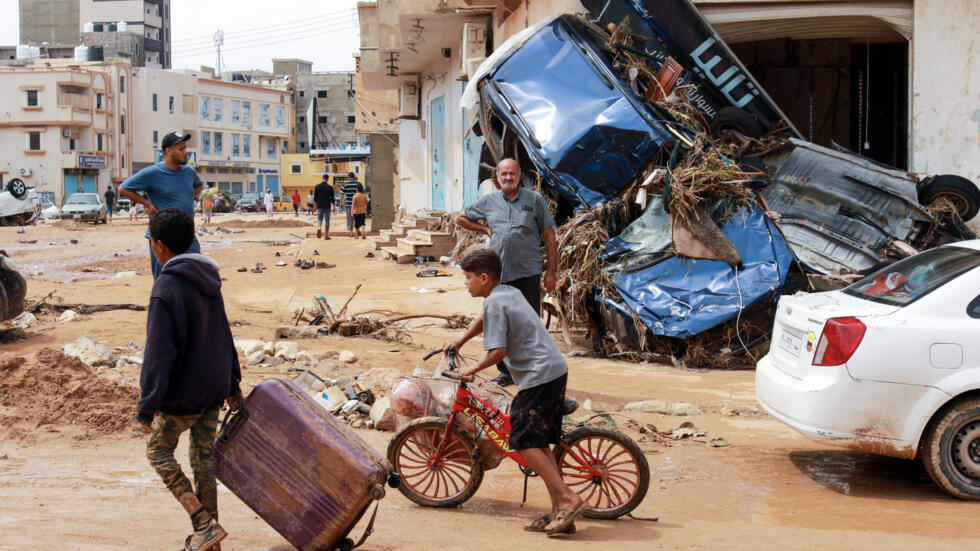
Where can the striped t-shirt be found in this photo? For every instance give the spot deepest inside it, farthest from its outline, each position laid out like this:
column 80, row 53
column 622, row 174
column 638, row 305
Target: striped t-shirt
column 349, row 188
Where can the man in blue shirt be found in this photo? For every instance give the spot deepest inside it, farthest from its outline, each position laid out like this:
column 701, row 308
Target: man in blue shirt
column 167, row 184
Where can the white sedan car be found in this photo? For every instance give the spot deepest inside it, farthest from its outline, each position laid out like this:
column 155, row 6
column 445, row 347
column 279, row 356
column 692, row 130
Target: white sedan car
column 889, row 365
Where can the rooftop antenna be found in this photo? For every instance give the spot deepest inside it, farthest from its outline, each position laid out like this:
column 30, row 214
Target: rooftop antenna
column 219, row 39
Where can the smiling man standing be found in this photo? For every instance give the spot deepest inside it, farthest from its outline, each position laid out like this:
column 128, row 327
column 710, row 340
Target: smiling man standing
column 167, row 184
column 518, row 222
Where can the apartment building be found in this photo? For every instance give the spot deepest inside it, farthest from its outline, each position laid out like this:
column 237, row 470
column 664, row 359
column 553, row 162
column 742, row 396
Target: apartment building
column 66, row 127
column 238, row 131
column 332, row 92
column 148, row 21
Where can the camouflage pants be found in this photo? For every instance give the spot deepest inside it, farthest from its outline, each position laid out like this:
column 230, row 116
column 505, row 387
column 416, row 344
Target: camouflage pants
column 163, row 442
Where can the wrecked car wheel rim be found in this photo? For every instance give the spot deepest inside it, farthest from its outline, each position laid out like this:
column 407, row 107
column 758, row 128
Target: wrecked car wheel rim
column 957, row 201
column 965, row 450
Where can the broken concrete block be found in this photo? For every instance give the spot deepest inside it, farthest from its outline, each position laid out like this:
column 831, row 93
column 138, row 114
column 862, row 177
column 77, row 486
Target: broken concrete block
column 588, row 404
column 347, row 357
column 305, row 357
column 68, row 316
column 286, row 350
column 248, row 346
column 24, row 320
column 121, row 363
column 256, row 358
column 382, row 416
column 378, row 379
column 326, row 354
column 666, row 408
column 124, row 275
column 90, row 351
column 271, row 361
column 287, row 332
column 269, row 348
column 335, row 398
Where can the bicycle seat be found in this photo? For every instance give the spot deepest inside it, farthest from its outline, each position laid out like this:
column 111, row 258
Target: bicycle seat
column 569, row 406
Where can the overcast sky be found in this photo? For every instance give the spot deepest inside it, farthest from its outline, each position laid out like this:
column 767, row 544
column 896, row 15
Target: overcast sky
column 321, row 31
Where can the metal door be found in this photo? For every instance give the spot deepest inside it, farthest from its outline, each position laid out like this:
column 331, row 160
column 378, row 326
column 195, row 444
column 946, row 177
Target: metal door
column 88, row 183
column 472, row 145
column 437, row 121
column 272, row 182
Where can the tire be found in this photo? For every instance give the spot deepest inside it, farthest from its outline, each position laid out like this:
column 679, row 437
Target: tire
column 731, row 118
column 625, row 472
column 411, row 451
column 951, row 449
column 957, row 190
column 17, row 188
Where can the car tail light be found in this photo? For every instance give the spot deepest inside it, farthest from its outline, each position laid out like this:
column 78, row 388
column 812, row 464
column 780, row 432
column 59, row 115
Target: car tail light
column 839, row 340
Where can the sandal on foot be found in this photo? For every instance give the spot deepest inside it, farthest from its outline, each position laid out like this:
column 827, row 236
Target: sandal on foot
column 564, row 519
column 539, row 524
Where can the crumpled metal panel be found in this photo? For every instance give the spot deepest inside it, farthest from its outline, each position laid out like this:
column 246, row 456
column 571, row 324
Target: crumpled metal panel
column 840, row 212
column 680, row 297
column 585, row 131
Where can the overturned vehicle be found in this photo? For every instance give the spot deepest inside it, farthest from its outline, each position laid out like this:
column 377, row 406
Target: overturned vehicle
column 688, row 201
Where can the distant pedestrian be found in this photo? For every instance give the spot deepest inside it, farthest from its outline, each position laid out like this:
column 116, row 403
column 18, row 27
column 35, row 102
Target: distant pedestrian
column 268, row 202
column 359, row 209
column 207, row 203
column 169, row 183
column 190, row 368
column 348, row 189
column 295, row 198
column 323, row 197
column 110, row 201
column 310, row 204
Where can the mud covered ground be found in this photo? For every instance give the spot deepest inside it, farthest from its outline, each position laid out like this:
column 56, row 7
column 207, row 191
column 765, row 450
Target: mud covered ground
column 73, row 473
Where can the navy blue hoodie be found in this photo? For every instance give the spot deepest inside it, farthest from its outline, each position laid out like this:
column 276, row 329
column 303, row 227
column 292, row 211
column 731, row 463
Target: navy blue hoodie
column 189, row 364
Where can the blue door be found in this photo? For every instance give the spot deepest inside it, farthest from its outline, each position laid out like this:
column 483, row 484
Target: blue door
column 472, row 145
column 88, row 183
column 259, row 183
column 78, row 183
column 437, row 122
column 272, row 182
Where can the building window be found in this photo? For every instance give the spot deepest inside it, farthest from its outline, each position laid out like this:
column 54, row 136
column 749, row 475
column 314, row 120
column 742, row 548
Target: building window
column 122, row 124
column 205, row 143
column 302, row 119
column 302, row 145
column 71, row 144
column 98, row 101
column 235, row 105
column 217, row 143
column 264, row 114
column 34, row 141
column 302, row 93
column 246, row 146
column 217, row 109
column 98, row 142
column 122, row 160
column 32, row 98
column 280, row 117
column 270, row 149
column 155, row 140
column 154, row 102
column 205, row 108
column 357, row 168
column 236, row 149
column 350, row 119
column 322, row 119
column 122, row 84
column 171, row 105
column 247, row 113
column 322, row 94
column 295, row 168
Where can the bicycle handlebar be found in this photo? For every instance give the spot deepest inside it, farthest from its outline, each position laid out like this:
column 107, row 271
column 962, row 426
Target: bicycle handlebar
column 452, row 375
column 430, row 354
column 452, row 359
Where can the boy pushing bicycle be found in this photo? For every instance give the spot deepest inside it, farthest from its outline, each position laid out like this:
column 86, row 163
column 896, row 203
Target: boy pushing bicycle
column 511, row 329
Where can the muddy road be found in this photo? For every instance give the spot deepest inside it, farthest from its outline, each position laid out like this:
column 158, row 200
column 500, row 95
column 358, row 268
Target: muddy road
column 87, row 485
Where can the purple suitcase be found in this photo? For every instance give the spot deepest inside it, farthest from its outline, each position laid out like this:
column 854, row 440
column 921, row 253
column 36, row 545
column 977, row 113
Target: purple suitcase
column 298, row 467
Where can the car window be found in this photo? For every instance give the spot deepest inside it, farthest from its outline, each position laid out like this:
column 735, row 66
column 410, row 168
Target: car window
column 973, row 310
column 83, row 200
column 910, row 279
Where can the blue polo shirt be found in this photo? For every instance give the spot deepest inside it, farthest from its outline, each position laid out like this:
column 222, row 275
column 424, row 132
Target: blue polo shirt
column 166, row 188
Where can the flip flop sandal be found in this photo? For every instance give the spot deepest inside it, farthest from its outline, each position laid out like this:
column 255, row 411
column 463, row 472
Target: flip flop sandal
column 564, row 519
column 539, row 524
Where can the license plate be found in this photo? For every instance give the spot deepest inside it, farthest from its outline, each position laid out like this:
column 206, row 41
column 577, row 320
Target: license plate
column 790, row 343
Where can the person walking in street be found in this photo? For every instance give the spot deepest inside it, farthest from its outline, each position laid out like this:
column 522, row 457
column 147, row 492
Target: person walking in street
column 358, row 208
column 268, row 202
column 207, row 203
column 518, row 222
column 110, row 201
column 348, row 189
column 169, row 183
column 323, row 197
column 295, row 198
column 310, row 206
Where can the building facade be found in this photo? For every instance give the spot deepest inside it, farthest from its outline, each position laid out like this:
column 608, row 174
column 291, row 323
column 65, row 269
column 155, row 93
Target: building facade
column 148, row 21
column 238, row 131
column 860, row 74
column 332, row 92
column 67, row 127
column 51, row 21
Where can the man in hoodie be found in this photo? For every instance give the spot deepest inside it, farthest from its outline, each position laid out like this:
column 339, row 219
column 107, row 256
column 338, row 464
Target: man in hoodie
column 190, row 368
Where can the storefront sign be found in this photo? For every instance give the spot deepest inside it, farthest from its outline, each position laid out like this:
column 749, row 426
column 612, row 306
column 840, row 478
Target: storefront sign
column 91, row 161
column 268, row 171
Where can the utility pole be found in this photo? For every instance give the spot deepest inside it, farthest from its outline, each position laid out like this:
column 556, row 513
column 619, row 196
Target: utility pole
column 219, row 39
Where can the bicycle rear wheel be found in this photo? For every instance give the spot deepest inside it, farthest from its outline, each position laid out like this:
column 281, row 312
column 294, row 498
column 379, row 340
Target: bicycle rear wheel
column 446, row 480
column 622, row 475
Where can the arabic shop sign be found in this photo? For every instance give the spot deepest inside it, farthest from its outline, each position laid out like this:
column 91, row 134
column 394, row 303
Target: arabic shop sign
column 91, row 161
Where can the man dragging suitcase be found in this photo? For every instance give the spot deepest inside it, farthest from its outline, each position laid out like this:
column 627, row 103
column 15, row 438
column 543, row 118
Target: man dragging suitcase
column 190, row 368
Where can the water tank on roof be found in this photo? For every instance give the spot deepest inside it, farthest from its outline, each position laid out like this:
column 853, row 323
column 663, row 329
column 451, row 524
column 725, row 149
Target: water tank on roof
column 110, row 27
column 95, row 53
column 35, row 52
column 23, row 51
column 88, row 27
column 97, row 27
column 122, row 26
column 81, row 53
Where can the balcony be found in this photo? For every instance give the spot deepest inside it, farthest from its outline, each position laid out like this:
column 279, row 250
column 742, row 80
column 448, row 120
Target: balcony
column 152, row 44
column 72, row 116
column 152, row 20
column 77, row 101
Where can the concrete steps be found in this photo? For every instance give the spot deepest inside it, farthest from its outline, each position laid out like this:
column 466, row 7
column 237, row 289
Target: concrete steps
column 409, row 238
column 427, row 243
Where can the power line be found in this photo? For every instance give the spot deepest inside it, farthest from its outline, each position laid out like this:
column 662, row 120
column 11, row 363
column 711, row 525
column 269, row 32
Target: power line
column 253, row 30
column 178, row 54
column 244, row 41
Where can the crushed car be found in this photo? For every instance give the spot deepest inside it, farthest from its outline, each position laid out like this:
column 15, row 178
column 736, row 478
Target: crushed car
column 18, row 204
column 684, row 218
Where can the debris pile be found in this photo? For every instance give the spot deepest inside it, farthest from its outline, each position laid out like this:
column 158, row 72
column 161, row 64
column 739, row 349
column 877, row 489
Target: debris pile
column 361, row 402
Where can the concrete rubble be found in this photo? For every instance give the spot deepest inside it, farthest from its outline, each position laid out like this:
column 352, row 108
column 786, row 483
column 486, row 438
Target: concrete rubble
column 92, row 352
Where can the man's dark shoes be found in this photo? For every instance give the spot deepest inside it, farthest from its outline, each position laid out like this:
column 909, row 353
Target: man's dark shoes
column 502, row 380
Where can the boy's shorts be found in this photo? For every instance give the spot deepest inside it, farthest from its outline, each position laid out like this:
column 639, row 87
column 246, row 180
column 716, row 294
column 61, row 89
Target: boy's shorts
column 535, row 415
column 359, row 220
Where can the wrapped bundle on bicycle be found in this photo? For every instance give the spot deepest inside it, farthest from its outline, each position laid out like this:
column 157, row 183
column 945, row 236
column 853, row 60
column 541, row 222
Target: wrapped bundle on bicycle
column 298, row 467
column 449, row 432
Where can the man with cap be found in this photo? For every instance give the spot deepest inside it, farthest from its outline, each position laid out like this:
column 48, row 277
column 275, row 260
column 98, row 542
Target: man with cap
column 169, row 183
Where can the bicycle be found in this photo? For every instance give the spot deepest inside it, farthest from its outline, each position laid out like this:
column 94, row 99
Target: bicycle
column 439, row 463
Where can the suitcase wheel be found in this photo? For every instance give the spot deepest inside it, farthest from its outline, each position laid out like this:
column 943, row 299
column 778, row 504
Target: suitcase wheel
column 394, row 480
column 344, row 545
column 377, row 493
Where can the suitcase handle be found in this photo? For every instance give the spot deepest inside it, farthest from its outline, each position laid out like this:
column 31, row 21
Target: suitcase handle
column 230, row 428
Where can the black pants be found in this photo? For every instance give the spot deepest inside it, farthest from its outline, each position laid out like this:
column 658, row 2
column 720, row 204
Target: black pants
column 530, row 287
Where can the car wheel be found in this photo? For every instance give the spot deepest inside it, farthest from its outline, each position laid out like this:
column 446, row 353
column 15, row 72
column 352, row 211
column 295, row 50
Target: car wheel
column 731, row 118
column 951, row 449
column 17, row 188
column 957, row 191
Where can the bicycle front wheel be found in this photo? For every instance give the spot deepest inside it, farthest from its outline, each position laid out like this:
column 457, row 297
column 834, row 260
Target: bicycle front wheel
column 606, row 468
column 432, row 479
